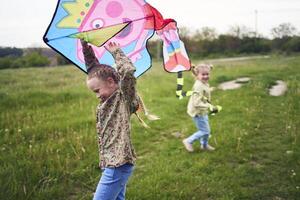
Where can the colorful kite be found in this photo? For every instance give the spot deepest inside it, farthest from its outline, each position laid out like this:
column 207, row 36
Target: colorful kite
column 131, row 23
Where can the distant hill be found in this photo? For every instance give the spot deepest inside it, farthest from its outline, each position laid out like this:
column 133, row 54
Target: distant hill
column 47, row 52
column 10, row 51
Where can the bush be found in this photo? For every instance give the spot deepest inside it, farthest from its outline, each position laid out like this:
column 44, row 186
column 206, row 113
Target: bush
column 33, row 59
column 5, row 62
column 62, row 60
column 36, row 60
column 293, row 45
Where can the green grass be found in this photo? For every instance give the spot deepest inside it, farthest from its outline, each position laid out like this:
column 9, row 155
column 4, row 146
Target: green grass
column 48, row 146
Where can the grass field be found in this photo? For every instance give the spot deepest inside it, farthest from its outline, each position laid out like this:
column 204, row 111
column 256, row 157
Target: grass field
column 48, row 147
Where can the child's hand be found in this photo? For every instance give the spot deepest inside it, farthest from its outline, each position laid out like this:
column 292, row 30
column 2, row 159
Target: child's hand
column 84, row 43
column 215, row 109
column 112, row 46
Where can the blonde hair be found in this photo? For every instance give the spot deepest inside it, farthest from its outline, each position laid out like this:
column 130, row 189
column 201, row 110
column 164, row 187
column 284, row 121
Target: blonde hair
column 198, row 68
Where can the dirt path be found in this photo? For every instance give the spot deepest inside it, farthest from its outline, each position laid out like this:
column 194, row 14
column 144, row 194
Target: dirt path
column 235, row 59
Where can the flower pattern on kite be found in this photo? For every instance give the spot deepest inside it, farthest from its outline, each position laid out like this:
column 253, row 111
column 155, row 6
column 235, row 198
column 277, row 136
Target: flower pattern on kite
column 131, row 23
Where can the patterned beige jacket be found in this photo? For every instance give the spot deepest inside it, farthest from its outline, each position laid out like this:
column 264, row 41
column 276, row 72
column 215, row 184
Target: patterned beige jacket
column 113, row 117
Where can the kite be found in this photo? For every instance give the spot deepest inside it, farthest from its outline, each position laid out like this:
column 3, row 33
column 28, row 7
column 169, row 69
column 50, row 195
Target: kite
column 131, row 23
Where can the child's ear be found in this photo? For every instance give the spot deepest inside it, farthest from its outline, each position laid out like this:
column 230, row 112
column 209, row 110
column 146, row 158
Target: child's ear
column 110, row 80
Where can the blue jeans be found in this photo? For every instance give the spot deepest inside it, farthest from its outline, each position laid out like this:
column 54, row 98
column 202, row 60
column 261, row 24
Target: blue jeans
column 112, row 185
column 203, row 130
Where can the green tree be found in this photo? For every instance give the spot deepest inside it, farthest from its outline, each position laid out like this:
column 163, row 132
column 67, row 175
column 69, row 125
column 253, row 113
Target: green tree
column 284, row 30
column 240, row 31
column 206, row 33
column 34, row 59
column 293, row 44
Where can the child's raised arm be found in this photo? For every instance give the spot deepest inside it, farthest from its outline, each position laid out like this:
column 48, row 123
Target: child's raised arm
column 124, row 64
column 89, row 55
column 126, row 71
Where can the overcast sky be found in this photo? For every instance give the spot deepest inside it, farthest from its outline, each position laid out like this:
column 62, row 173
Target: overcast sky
column 23, row 22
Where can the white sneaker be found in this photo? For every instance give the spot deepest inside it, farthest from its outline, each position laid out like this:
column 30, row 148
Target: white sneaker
column 207, row 147
column 188, row 146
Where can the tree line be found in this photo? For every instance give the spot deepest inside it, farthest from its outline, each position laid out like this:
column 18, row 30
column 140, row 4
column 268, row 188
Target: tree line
column 206, row 42
column 29, row 57
column 239, row 40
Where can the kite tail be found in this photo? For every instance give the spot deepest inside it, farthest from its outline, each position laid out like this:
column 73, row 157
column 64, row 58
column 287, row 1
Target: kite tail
column 142, row 108
column 179, row 91
column 142, row 121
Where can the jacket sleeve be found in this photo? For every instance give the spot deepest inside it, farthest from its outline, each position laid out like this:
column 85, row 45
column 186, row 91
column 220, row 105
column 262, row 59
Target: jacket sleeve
column 89, row 55
column 126, row 70
column 199, row 100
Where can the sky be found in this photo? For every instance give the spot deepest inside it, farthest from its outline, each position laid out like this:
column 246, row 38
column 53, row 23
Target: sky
column 24, row 22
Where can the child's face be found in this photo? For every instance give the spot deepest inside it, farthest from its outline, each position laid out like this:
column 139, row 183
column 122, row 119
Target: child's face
column 203, row 75
column 102, row 88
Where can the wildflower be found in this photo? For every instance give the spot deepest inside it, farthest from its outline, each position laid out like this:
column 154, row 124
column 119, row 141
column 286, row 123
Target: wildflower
column 293, row 173
column 289, row 152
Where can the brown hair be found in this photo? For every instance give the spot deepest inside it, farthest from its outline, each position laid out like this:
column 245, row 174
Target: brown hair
column 103, row 72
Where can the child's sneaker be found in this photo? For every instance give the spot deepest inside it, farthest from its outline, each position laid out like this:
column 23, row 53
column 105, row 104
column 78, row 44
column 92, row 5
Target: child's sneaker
column 207, row 147
column 187, row 145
